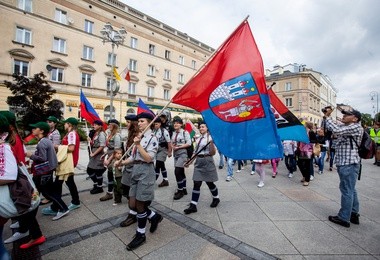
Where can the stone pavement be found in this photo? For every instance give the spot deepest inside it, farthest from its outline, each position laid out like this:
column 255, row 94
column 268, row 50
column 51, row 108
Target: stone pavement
column 281, row 220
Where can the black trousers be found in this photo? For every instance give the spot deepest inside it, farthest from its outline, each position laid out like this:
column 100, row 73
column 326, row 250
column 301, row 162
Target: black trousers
column 72, row 188
column 29, row 222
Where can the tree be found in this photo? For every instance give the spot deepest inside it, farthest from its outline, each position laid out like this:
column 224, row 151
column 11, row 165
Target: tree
column 30, row 98
column 366, row 119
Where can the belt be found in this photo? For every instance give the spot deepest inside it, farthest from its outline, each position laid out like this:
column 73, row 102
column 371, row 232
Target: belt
column 203, row 155
column 142, row 162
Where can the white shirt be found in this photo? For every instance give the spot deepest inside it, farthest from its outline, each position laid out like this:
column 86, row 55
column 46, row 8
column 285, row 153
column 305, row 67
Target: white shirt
column 8, row 164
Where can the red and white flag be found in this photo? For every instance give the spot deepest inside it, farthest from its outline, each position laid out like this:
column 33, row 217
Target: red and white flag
column 125, row 74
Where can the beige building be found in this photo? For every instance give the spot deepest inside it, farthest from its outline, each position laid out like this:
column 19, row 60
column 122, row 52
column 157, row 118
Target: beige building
column 62, row 39
column 304, row 91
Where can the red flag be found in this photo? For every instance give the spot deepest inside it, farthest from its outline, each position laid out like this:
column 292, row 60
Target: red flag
column 231, row 94
column 125, row 74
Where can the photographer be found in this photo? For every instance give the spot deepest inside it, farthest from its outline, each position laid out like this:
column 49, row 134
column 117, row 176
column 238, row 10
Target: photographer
column 349, row 133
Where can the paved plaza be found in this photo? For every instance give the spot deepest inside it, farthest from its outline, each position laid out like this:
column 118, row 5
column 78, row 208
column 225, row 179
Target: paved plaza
column 281, row 220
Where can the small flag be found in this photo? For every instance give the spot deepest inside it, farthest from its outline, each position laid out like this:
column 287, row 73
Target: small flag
column 125, row 74
column 87, row 111
column 117, row 76
column 190, row 127
column 142, row 107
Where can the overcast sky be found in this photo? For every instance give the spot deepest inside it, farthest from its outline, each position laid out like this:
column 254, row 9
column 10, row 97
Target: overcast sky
column 339, row 38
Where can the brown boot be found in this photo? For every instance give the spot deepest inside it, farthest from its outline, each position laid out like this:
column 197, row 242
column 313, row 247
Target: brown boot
column 108, row 196
column 129, row 220
column 163, row 183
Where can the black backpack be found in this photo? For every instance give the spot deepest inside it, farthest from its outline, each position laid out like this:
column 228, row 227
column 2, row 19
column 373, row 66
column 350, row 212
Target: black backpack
column 367, row 147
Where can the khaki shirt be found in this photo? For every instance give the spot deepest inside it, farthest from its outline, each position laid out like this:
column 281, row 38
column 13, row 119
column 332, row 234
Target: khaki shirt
column 150, row 144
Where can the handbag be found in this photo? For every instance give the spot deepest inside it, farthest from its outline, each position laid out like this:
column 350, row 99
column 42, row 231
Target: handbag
column 317, row 149
column 41, row 168
column 7, row 206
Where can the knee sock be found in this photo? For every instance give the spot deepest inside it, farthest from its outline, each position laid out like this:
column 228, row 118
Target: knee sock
column 213, row 189
column 141, row 222
column 99, row 179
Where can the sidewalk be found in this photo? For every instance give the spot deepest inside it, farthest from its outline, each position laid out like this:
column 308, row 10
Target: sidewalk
column 281, row 220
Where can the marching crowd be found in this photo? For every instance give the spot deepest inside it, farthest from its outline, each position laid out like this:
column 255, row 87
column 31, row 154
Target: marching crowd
column 134, row 164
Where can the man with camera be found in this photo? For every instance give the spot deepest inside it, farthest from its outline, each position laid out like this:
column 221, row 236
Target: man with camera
column 349, row 133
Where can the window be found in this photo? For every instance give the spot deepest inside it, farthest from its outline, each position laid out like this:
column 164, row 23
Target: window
column 289, row 102
column 25, row 5
column 21, row 67
column 23, row 35
column 88, row 26
column 61, row 16
column 288, row 86
column 88, row 53
column 132, row 88
column 167, row 74
column 59, row 45
column 86, row 79
column 167, row 54
column 56, row 74
column 150, row 91
column 166, row 94
column 152, row 49
column 193, row 64
column 181, row 78
column 132, row 65
column 181, row 60
column 133, row 43
column 151, row 70
column 111, row 59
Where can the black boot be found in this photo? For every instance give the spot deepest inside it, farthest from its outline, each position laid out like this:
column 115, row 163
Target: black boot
column 137, row 241
column 129, row 220
column 191, row 209
column 215, row 202
column 355, row 218
column 157, row 218
column 96, row 189
column 179, row 194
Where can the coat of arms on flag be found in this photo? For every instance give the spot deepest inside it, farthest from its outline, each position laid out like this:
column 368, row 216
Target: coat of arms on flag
column 237, row 100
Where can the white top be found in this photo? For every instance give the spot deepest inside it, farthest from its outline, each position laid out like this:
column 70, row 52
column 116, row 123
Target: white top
column 8, row 164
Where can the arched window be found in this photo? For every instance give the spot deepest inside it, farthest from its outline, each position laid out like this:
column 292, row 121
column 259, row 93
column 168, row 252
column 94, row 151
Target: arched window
column 131, row 111
column 107, row 115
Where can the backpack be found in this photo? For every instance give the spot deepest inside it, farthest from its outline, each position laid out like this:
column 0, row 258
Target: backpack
column 190, row 149
column 367, row 147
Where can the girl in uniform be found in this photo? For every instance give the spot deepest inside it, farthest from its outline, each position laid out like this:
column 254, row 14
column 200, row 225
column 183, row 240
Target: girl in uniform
column 164, row 150
column 204, row 169
column 143, row 178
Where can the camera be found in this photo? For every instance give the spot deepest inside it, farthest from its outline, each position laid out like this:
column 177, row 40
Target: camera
column 324, row 110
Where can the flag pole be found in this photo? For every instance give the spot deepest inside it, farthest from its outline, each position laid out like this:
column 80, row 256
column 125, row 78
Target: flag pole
column 87, row 132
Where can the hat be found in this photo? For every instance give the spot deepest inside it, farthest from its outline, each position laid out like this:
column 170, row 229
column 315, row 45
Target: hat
column 4, row 124
column 71, row 120
column 353, row 112
column 131, row 117
column 52, row 119
column 158, row 120
column 145, row 115
column 98, row 122
column 11, row 118
column 113, row 121
column 41, row 125
column 178, row 120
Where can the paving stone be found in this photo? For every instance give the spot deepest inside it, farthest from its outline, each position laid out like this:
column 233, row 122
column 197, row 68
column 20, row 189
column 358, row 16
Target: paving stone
column 94, row 229
column 224, row 239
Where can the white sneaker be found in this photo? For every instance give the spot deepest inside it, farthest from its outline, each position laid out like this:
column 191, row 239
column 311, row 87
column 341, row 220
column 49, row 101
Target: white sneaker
column 61, row 214
column 15, row 225
column 242, row 168
column 290, row 175
column 261, row 184
column 311, row 177
column 238, row 171
column 320, row 172
column 16, row 236
column 253, row 172
column 229, row 178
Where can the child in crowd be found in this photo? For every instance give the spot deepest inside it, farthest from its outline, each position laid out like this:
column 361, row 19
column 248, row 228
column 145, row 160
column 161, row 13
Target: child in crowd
column 259, row 167
column 118, row 189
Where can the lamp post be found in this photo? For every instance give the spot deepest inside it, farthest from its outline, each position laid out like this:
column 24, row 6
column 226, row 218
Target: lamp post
column 373, row 94
column 115, row 38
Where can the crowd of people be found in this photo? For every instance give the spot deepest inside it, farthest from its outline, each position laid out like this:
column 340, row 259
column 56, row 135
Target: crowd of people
column 134, row 164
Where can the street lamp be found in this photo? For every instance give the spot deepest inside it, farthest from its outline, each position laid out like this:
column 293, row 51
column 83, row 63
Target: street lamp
column 115, row 38
column 373, row 94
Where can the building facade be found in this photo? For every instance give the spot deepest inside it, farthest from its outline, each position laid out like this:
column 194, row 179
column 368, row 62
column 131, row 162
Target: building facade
column 304, row 91
column 62, row 39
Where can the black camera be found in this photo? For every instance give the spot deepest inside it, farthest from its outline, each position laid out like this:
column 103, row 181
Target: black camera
column 324, row 110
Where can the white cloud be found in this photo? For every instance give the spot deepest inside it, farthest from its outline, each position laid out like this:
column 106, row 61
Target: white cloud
column 338, row 38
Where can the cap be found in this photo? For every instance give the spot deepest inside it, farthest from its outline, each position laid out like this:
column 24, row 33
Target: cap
column 178, row 120
column 145, row 115
column 98, row 122
column 11, row 118
column 113, row 121
column 71, row 120
column 158, row 120
column 4, row 124
column 52, row 118
column 41, row 125
column 353, row 112
column 131, row 117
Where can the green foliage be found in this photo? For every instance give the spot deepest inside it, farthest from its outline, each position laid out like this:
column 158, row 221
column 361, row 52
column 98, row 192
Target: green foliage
column 366, row 119
column 30, row 98
column 377, row 117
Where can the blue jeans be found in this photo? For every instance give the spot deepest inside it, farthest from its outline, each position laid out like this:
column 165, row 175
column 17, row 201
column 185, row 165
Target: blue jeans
column 253, row 166
column 349, row 198
column 221, row 160
column 332, row 155
column 230, row 167
column 291, row 163
column 321, row 161
column 4, row 255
